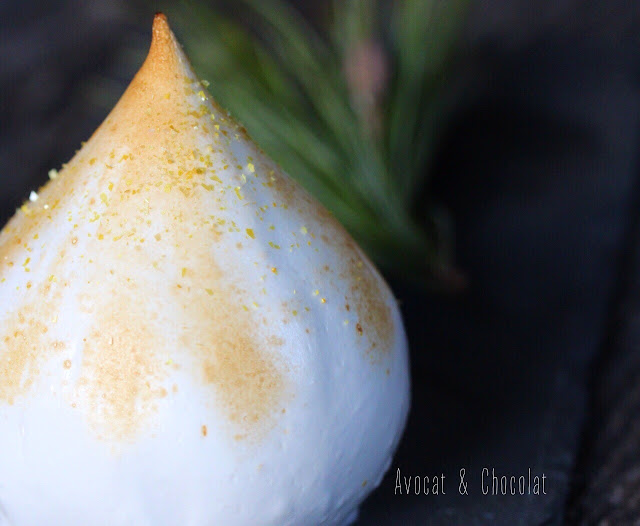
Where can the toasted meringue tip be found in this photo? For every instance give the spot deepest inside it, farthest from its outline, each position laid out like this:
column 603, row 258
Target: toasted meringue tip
column 163, row 41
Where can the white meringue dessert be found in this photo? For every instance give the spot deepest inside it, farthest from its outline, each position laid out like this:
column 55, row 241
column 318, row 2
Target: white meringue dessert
column 188, row 338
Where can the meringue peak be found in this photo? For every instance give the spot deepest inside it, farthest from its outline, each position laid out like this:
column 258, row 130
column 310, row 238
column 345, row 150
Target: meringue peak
column 142, row 201
column 164, row 46
column 179, row 318
column 165, row 200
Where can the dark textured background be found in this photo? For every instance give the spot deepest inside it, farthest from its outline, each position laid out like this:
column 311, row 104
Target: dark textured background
column 539, row 168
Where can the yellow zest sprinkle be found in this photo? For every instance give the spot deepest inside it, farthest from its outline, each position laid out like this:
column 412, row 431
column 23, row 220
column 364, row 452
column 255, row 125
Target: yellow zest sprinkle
column 158, row 237
column 205, row 83
column 26, row 262
column 92, row 161
column 100, row 237
column 52, row 279
column 316, row 292
column 238, row 193
column 295, row 312
column 322, row 300
column 273, row 245
column 303, row 230
column 103, row 198
column 209, row 291
column 274, row 270
column 251, row 167
column 184, row 272
column 110, row 186
column 250, row 233
column 245, row 308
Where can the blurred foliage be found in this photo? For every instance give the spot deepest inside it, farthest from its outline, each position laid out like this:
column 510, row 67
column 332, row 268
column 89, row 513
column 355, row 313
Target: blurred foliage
column 351, row 109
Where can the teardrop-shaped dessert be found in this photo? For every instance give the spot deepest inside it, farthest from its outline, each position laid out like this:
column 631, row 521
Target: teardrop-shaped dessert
column 186, row 337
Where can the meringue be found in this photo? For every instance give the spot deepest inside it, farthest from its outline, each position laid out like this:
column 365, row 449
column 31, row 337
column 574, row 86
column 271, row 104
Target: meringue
column 186, row 336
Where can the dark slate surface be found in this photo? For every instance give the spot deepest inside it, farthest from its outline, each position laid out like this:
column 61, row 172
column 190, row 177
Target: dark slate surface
column 606, row 482
column 539, row 174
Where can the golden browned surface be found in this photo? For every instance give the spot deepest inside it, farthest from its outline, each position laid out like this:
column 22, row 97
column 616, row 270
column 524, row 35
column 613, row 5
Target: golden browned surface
column 24, row 342
column 121, row 375
column 25, row 338
column 234, row 359
column 134, row 206
column 365, row 293
column 374, row 314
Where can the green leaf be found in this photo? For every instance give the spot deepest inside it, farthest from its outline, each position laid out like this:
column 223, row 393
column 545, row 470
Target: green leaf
column 286, row 83
column 424, row 35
